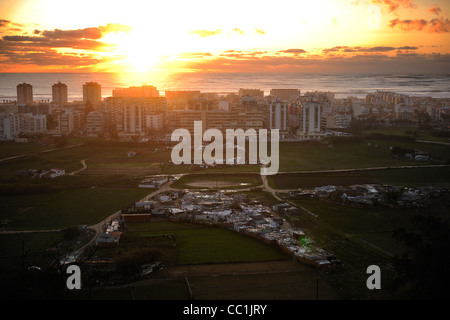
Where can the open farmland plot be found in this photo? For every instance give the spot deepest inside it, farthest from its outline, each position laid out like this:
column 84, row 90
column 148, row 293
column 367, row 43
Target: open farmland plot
column 203, row 244
column 11, row 149
column 311, row 156
column 217, row 181
column 434, row 176
column 66, row 208
column 25, row 249
column 217, row 263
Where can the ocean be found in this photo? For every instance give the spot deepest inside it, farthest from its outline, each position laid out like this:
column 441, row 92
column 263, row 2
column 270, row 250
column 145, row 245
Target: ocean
column 344, row 85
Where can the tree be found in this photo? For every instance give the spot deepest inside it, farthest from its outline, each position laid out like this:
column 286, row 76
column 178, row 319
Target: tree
column 355, row 127
column 61, row 142
column 51, row 123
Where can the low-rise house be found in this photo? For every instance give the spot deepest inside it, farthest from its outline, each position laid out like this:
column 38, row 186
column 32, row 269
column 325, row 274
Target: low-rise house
column 108, row 239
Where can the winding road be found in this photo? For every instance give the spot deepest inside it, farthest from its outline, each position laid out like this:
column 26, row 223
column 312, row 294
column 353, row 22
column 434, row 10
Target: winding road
column 83, row 162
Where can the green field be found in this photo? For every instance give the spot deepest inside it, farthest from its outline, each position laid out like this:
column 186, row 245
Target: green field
column 173, row 289
column 199, row 244
column 26, row 249
column 65, row 208
column 438, row 177
column 311, row 156
column 409, row 132
column 11, row 149
column 218, row 181
column 110, row 159
column 360, row 237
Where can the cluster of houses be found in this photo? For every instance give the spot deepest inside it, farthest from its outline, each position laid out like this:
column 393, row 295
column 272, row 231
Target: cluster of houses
column 369, row 195
column 233, row 211
column 43, row 174
column 153, row 183
column 111, row 236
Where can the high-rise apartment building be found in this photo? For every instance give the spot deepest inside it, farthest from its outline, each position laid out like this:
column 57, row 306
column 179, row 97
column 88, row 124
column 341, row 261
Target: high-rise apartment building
column 10, row 126
column 97, row 122
column 145, row 91
column 310, row 121
column 285, row 94
column 278, row 115
column 32, row 124
column 92, row 93
column 178, row 99
column 256, row 93
column 128, row 115
column 24, row 94
column 59, row 93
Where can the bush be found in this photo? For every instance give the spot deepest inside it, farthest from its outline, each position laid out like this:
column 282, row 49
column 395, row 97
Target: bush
column 71, row 233
column 131, row 262
column 336, row 140
column 440, row 133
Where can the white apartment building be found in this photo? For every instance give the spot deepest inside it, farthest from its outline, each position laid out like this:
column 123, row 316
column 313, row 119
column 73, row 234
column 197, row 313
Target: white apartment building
column 10, row 126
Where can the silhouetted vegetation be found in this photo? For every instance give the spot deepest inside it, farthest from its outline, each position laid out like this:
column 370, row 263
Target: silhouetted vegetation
column 130, row 263
column 401, row 151
column 423, row 271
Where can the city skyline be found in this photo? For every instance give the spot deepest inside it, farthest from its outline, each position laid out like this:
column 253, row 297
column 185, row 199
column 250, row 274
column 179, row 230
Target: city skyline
column 320, row 36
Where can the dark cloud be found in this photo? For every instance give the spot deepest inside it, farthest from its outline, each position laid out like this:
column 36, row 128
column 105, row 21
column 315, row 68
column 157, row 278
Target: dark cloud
column 394, row 5
column 377, row 49
column 407, row 48
column 24, row 39
column 87, row 33
column 440, row 25
column 347, row 49
column 50, row 58
column 435, row 10
column 293, row 51
column 40, row 49
column 94, row 33
column 4, row 23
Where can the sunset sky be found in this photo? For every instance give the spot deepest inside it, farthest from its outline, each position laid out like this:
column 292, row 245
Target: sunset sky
column 225, row 36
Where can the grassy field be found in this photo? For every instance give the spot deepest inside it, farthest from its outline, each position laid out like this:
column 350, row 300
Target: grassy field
column 294, row 156
column 66, row 208
column 11, row 148
column 223, row 181
column 199, row 244
column 310, row 156
column 297, row 285
column 438, row 177
column 222, row 264
column 34, row 245
column 173, row 289
column 360, row 237
column 411, row 132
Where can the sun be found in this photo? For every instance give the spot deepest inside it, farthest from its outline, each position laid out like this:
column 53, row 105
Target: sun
column 137, row 52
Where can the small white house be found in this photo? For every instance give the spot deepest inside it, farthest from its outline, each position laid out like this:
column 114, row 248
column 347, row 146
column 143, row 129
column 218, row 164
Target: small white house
column 56, row 172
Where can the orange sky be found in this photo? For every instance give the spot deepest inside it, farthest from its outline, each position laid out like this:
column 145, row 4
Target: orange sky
column 225, row 36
